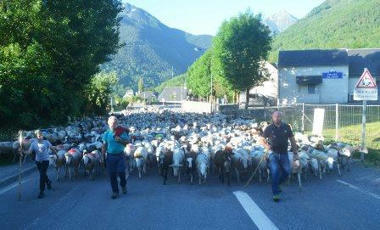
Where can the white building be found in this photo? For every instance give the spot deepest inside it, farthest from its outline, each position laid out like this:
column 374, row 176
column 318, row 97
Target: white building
column 268, row 88
column 128, row 93
column 323, row 76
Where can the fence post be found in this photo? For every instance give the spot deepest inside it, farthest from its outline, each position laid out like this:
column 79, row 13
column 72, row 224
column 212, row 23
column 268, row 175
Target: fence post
column 303, row 118
column 363, row 130
column 336, row 122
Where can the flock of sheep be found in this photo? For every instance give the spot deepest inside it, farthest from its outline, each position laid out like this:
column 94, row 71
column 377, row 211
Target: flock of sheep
column 184, row 146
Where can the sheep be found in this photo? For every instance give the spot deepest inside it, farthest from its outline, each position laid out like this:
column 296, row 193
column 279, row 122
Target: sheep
column 333, row 159
column 73, row 158
column 193, row 139
column 223, row 163
column 257, row 154
column 92, row 162
column 141, row 157
column 190, row 159
column 202, row 162
column 178, row 159
column 240, row 162
column 304, row 162
column 295, row 168
column 151, row 153
column 129, row 151
column 165, row 159
column 60, row 162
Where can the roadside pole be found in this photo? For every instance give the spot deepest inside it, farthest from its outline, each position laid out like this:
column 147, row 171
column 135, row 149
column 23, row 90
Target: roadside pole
column 365, row 89
column 112, row 104
column 363, row 130
column 211, row 97
column 20, row 139
column 336, row 122
column 303, row 118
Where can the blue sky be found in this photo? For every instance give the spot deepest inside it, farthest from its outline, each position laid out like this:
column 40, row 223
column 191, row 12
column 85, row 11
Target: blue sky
column 205, row 16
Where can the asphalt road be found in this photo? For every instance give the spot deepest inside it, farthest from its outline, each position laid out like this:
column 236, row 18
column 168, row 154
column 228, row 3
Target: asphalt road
column 348, row 202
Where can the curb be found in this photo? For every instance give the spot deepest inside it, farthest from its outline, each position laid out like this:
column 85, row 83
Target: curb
column 13, row 178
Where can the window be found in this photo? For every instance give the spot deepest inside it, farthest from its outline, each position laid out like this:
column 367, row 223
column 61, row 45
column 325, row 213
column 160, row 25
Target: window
column 311, row 89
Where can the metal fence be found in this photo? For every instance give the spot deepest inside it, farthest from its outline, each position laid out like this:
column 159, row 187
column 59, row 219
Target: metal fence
column 341, row 122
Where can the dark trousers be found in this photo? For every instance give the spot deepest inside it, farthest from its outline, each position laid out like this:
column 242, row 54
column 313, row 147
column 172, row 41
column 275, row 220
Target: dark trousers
column 280, row 168
column 42, row 168
column 116, row 167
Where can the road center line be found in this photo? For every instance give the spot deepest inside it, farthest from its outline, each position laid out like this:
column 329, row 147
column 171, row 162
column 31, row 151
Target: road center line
column 358, row 189
column 254, row 212
column 12, row 186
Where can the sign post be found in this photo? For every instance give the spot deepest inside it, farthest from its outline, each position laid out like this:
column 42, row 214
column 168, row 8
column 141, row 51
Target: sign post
column 319, row 116
column 365, row 90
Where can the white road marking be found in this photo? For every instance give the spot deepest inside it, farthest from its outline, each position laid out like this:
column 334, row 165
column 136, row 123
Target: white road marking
column 358, row 189
column 254, row 212
column 12, row 186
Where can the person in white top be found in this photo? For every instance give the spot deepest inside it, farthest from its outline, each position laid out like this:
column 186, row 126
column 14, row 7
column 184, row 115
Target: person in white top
column 41, row 148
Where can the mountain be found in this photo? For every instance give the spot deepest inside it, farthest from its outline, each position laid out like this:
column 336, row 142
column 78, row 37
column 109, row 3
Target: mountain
column 280, row 21
column 333, row 24
column 151, row 49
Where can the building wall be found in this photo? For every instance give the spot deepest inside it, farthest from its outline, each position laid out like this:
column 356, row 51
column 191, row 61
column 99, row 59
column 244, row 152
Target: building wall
column 267, row 88
column 329, row 91
column 196, row 107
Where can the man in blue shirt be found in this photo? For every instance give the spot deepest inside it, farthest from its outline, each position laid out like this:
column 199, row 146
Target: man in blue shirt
column 114, row 142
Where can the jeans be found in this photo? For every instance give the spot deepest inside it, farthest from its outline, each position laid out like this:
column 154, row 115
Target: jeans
column 42, row 168
column 116, row 167
column 280, row 168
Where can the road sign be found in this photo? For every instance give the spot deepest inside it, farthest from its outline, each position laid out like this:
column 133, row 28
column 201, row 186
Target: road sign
column 366, row 88
column 332, row 75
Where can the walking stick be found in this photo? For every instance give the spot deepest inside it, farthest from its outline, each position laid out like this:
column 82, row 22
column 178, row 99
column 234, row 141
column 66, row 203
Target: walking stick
column 20, row 138
column 254, row 172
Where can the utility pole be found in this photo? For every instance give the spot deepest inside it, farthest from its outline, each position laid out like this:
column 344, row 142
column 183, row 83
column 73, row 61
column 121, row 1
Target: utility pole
column 303, row 118
column 336, row 122
column 111, row 104
column 211, row 94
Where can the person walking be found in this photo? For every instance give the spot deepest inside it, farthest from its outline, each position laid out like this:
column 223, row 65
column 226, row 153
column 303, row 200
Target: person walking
column 41, row 149
column 275, row 140
column 114, row 141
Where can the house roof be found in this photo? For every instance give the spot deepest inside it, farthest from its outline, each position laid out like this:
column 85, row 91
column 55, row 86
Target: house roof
column 364, row 58
column 315, row 57
column 173, row 94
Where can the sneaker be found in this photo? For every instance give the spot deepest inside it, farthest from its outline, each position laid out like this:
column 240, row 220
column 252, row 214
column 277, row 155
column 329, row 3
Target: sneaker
column 49, row 185
column 114, row 195
column 276, row 198
column 124, row 189
column 41, row 195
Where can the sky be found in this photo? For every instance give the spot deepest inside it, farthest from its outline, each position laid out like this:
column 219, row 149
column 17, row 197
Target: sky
column 205, row 16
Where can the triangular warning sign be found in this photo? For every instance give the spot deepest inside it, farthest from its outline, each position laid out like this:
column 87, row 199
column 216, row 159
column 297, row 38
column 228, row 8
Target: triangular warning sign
column 366, row 80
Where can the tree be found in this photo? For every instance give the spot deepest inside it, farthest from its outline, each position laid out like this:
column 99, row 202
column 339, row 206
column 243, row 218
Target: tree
column 99, row 92
column 240, row 48
column 141, row 85
column 49, row 51
column 199, row 78
column 199, row 75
